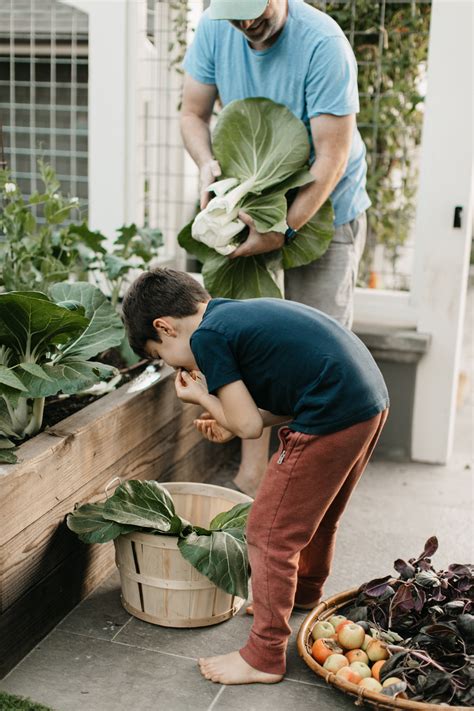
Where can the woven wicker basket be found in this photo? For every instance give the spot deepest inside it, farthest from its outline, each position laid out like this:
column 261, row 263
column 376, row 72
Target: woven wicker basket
column 158, row 584
column 324, row 611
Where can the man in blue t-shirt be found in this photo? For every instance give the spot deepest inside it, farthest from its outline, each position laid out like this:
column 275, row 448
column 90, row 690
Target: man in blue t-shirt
column 267, row 362
column 290, row 52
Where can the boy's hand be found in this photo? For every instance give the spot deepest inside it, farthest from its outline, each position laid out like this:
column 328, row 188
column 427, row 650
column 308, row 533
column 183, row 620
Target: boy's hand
column 190, row 387
column 211, row 430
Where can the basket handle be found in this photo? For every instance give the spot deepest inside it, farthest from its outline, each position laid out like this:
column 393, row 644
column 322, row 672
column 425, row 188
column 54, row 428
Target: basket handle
column 111, row 482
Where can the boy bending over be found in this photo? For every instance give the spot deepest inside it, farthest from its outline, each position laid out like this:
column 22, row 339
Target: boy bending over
column 267, row 362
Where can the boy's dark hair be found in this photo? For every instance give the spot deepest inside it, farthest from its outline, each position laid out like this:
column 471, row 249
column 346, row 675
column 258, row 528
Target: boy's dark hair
column 156, row 293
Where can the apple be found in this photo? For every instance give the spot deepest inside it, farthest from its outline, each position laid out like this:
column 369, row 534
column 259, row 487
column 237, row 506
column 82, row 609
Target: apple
column 323, row 648
column 391, row 680
column 336, row 620
column 357, row 655
column 371, row 684
column 363, row 670
column 335, row 662
column 342, row 624
column 377, row 650
column 366, row 641
column 322, row 630
column 351, row 636
column 349, row 675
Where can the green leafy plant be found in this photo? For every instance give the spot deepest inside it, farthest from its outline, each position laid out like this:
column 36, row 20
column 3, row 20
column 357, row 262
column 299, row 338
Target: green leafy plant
column 219, row 552
column 40, row 245
column 390, row 42
column 10, row 702
column 263, row 150
column 46, row 343
column 133, row 249
column 34, row 252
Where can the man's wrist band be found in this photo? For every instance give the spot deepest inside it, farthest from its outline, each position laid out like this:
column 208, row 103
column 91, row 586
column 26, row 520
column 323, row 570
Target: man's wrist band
column 290, row 235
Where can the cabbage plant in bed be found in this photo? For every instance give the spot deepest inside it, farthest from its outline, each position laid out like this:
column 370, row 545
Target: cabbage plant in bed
column 218, row 552
column 46, row 343
column 263, row 151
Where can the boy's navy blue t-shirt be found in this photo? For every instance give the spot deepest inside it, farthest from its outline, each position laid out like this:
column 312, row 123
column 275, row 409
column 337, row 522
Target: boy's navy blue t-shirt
column 293, row 359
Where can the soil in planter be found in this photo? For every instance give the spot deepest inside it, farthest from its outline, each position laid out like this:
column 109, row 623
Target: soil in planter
column 58, row 408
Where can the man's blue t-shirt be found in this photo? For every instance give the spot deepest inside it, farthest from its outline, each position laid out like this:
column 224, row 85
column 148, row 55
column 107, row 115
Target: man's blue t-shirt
column 310, row 68
column 293, row 359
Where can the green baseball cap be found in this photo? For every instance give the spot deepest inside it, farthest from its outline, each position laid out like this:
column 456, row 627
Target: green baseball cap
column 236, row 9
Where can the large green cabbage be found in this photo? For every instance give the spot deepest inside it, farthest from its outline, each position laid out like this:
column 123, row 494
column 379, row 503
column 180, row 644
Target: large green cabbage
column 263, row 151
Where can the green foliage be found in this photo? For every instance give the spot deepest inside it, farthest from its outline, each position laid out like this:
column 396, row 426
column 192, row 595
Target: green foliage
column 35, row 253
column 40, row 245
column 8, row 702
column 134, row 248
column 45, row 348
column 391, row 50
column 219, row 552
column 180, row 22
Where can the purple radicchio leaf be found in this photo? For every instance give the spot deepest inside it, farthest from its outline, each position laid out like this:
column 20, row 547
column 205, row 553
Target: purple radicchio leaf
column 431, row 546
column 403, row 599
column 376, row 587
column 405, row 569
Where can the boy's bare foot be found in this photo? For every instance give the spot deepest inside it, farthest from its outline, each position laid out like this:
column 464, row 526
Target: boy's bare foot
column 311, row 606
column 233, row 669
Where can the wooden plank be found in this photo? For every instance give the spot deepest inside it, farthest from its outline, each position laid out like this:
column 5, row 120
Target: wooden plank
column 41, row 546
column 36, row 613
column 79, row 448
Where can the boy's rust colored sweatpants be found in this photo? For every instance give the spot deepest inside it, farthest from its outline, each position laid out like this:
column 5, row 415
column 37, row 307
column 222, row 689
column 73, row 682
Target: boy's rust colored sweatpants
column 291, row 530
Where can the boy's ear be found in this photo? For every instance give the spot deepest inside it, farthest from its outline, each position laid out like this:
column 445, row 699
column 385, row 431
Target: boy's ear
column 163, row 325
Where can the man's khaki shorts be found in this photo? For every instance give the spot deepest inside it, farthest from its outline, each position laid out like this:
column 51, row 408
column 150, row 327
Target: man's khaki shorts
column 328, row 283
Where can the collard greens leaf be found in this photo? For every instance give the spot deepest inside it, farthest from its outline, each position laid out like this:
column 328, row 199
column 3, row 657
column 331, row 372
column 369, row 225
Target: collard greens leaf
column 259, row 140
column 239, row 278
column 30, row 322
column 143, row 503
column 269, row 209
column 8, row 378
column 313, row 239
column 221, row 557
column 236, row 517
column 90, row 525
column 105, row 328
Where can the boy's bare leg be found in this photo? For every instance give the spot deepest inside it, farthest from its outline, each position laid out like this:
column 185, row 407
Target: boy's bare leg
column 233, row 669
column 253, row 463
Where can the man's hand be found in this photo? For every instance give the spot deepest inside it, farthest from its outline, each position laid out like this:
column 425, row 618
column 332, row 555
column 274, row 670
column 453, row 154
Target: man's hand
column 257, row 243
column 190, row 387
column 211, row 430
column 208, row 173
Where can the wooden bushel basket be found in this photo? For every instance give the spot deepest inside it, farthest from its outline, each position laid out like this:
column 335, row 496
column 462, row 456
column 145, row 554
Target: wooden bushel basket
column 324, row 611
column 158, row 584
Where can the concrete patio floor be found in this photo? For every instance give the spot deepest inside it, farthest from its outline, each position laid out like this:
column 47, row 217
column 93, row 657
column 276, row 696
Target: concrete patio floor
column 99, row 658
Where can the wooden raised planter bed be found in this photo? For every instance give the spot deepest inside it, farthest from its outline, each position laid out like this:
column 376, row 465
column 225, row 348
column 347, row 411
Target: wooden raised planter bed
column 44, row 569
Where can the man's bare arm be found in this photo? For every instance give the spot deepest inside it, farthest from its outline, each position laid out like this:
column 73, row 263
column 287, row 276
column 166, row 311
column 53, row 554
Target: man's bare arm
column 332, row 139
column 196, row 112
